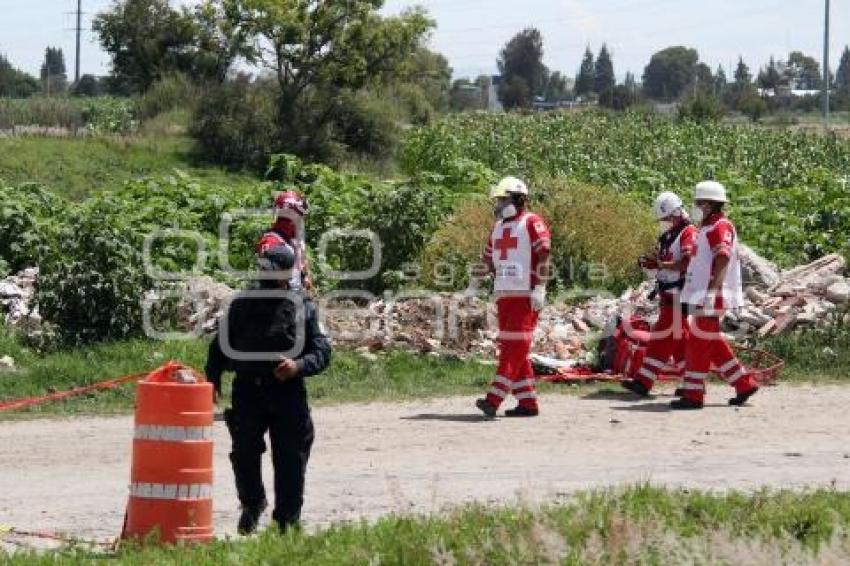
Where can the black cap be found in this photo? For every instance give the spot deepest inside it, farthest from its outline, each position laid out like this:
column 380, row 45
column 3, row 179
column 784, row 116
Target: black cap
column 277, row 258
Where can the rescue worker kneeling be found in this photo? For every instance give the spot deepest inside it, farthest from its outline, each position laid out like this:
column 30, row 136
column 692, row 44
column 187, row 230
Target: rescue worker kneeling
column 271, row 338
column 676, row 247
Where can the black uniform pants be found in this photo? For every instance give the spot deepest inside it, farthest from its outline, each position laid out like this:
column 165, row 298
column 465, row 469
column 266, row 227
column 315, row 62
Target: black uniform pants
column 265, row 405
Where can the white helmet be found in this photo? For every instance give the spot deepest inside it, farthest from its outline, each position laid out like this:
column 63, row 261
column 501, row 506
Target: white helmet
column 667, row 204
column 711, row 191
column 508, row 186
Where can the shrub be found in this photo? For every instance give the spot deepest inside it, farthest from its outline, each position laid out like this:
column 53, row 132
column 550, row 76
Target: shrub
column 596, row 237
column 27, row 225
column 169, row 93
column 91, row 287
column 235, row 124
column 700, row 108
column 365, row 124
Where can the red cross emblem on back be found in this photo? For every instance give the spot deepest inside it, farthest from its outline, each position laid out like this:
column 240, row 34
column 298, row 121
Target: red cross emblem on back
column 506, row 243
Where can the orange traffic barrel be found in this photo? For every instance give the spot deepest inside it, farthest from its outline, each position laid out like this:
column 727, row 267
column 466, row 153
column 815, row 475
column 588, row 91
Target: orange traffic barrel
column 172, row 469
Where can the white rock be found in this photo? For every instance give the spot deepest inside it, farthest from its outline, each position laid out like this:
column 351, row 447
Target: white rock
column 7, row 363
column 756, row 269
column 839, row 292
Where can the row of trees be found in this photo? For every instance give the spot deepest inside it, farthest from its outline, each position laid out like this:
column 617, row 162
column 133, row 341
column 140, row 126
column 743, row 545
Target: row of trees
column 670, row 74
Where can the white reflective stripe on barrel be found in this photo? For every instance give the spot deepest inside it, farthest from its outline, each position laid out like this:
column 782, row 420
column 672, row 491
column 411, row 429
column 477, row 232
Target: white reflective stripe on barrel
column 171, row 491
column 173, row 433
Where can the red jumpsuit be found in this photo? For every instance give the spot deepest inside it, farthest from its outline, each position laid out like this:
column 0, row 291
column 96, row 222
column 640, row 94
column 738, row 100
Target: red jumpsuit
column 705, row 348
column 667, row 338
column 515, row 251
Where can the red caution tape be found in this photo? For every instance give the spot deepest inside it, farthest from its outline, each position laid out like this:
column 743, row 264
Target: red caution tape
column 32, row 401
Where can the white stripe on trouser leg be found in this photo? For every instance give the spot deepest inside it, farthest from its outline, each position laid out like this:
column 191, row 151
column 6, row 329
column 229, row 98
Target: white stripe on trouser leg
column 523, row 383
column 680, row 365
column 647, row 374
column 495, row 391
column 693, row 386
column 727, row 366
column 502, row 380
column 736, row 376
column 526, row 395
column 696, row 375
column 652, row 362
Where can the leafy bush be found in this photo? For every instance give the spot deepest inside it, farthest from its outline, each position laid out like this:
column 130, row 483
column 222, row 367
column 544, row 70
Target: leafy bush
column 235, row 124
column 55, row 112
column 27, row 225
column 110, row 115
column 364, row 123
column 169, row 93
column 596, row 237
column 91, row 286
column 700, row 108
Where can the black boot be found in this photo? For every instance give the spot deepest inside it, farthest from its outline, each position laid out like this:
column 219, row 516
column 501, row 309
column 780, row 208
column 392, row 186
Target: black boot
column 250, row 518
column 741, row 398
column 685, row 404
column 485, row 407
column 636, row 387
column 520, row 411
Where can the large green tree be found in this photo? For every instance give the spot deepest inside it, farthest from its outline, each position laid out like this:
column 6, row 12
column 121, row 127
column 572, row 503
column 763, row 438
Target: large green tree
column 770, row 77
column 803, row 72
column 669, row 72
column 586, row 74
column 320, row 53
column 54, row 76
column 521, row 61
column 146, row 40
column 14, row 82
column 603, row 73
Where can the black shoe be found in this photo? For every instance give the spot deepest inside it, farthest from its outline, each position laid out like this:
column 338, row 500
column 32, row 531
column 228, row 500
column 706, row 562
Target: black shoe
column 250, row 518
column 485, row 407
column 685, row 405
column 636, row 387
column 679, row 392
column 520, row 411
column 741, row 398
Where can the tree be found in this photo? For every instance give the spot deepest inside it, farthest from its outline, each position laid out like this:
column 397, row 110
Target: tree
column 803, row 72
column 556, row 88
column 586, row 75
column 522, row 60
column 54, row 77
column 14, row 82
column 770, row 77
column 147, row 39
column 630, row 83
column 743, row 77
column 87, row 86
column 842, row 76
column 669, row 71
column 720, row 81
column 319, row 54
column 430, row 73
column 219, row 39
column 604, row 80
column 703, row 79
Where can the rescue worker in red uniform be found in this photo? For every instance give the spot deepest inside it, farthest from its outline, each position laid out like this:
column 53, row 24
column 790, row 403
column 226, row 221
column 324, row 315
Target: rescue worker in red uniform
column 517, row 253
column 675, row 249
column 712, row 285
column 288, row 229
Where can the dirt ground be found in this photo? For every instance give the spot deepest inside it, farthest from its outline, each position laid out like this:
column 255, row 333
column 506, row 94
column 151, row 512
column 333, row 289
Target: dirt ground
column 71, row 476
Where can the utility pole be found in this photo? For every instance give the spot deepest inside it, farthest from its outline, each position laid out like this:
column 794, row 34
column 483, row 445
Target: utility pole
column 79, row 32
column 826, row 67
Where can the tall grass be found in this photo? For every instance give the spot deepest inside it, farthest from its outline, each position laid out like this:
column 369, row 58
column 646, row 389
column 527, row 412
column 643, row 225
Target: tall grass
column 637, row 525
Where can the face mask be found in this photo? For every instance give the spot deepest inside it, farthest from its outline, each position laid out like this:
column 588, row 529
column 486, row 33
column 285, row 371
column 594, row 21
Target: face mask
column 697, row 215
column 665, row 225
column 504, row 211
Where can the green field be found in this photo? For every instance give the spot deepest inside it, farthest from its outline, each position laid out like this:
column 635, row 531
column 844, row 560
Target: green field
column 78, row 167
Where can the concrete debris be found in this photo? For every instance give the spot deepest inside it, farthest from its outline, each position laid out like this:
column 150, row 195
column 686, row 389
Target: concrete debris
column 7, row 363
column 756, row 270
column 445, row 324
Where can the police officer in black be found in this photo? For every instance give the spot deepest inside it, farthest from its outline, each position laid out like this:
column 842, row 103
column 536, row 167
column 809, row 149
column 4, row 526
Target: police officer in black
column 272, row 340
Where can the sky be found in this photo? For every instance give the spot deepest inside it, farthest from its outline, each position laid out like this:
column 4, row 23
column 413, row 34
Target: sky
column 471, row 32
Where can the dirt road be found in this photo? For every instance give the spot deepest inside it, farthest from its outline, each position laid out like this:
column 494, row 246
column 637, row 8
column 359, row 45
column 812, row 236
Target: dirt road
column 369, row 460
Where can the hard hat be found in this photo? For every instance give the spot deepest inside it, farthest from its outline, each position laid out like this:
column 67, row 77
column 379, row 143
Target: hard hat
column 711, row 191
column 290, row 200
column 277, row 258
column 666, row 204
column 508, row 186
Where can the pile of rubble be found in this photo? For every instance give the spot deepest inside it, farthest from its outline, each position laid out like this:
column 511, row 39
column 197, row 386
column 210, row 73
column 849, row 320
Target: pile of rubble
column 16, row 300
column 776, row 302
